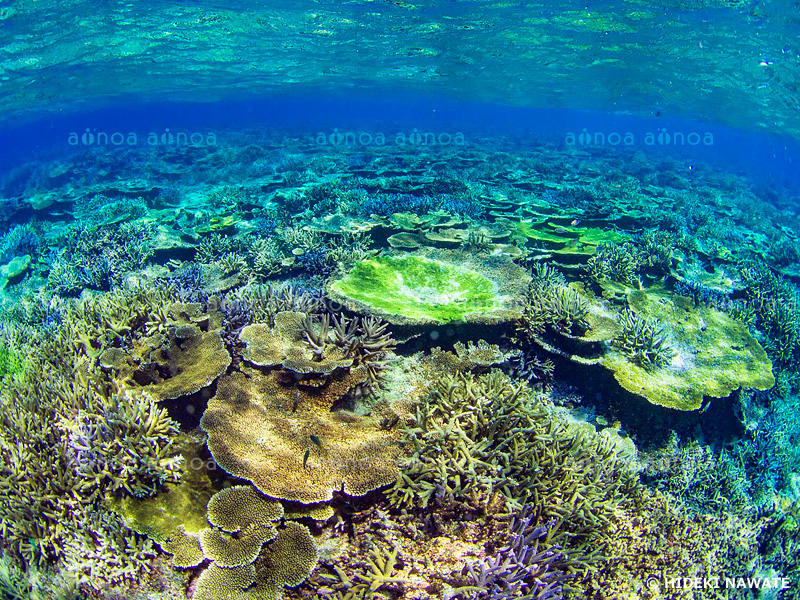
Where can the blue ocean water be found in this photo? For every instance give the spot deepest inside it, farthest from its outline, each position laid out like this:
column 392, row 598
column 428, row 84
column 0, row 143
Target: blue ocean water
column 470, row 300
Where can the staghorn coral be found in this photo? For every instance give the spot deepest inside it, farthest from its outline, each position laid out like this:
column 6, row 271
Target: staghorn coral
column 96, row 444
column 616, row 262
column 478, row 440
column 526, row 566
column 557, row 308
column 32, row 584
column 643, row 340
column 774, row 301
column 781, row 536
column 228, row 551
column 262, row 302
column 10, row 362
column 529, row 367
column 657, row 251
column 103, row 552
column 70, row 441
column 99, row 257
column 379, row 577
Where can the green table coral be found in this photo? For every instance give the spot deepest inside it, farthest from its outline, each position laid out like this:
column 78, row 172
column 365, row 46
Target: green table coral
column 714, row 354
column 427, row 289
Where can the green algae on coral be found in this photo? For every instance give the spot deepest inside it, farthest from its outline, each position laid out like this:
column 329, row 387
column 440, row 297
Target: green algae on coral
column 416, row 289
column 714, row 354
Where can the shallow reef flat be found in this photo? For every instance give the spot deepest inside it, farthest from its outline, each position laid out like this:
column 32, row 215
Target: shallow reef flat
column 273, row 369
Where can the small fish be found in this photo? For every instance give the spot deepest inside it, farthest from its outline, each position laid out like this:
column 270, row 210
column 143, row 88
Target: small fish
column 316, row 441
column 296, row 400
column 306, row 454
column 560, row 230
column 575, row 222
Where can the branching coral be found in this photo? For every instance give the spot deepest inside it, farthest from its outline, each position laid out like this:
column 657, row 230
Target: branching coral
column 774, row 301
column 527, row 566
column 381, row 575
column 94, row 443
column 556, row 307
column 69, row 440
column 617, row 262
column 531, row 368
column 479, row 439
column 657, row 252
column 261, row 302
column 10, row 362
column 103, row 552
column 643, row 340
column 99, row 257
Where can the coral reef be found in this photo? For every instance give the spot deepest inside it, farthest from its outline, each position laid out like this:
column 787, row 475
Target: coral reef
column 468, row 452
column 453, row 456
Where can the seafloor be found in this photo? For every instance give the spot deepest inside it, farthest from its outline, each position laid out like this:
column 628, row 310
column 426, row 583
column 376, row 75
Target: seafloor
column 270, row 368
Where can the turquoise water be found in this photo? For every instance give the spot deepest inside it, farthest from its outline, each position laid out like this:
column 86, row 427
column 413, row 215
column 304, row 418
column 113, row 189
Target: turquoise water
column 386, row 300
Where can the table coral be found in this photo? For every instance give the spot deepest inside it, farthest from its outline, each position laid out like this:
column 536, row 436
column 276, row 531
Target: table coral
column 233, row 509
column 260, row 560
column 431, row 287
column 713, row 354
column 181, row 356
column 262, row 430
